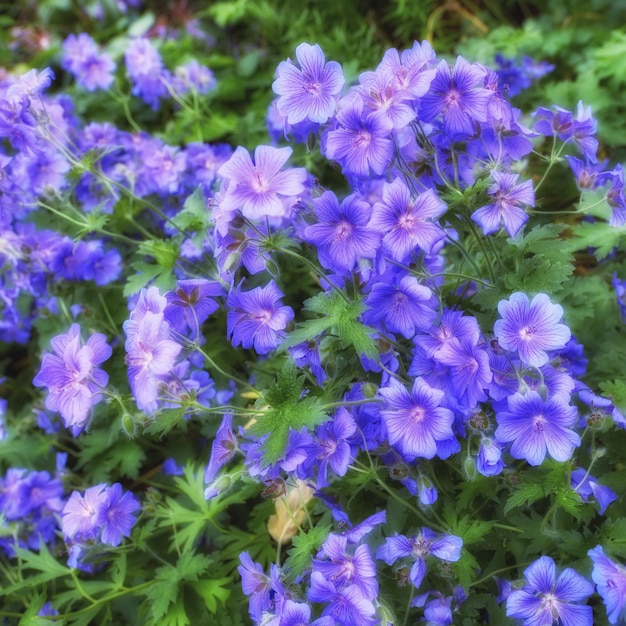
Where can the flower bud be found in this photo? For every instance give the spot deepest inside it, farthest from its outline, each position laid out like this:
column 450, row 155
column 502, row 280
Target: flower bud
column 370, row 390
column 128, row 425
column 469, row 466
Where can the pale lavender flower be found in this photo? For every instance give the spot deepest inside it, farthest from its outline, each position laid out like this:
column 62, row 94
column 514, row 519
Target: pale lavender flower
column 537, row 427
column 415, row 420
column 74, row 382
column 407, row 224
column 610, row 579
column 260, row 188
column 310, row 92
column 151, row 353
column 361, row 141
column 531, row 328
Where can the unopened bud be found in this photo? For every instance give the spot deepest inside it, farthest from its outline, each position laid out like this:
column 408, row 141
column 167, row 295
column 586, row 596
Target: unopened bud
column 370, row 390
column 232, row 262
column 128, row 425
column 219, row 486
column 469, row 466
column 272, row 267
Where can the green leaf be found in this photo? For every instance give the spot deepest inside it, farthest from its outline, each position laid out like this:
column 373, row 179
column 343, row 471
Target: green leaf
column 601, row 237
column 616, row 391
column 286, row 411
column 341, row 318
column 213, row 590
column 145, row 273
column 165, row 253
column 304, row 545
column 30, row 617
column 168, row 578
column 164, row 421
column 524, row 495
column 194, row 215
column 465, row 568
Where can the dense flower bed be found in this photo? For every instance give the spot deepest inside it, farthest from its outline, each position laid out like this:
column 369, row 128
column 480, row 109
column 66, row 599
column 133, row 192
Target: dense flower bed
column 375, row 396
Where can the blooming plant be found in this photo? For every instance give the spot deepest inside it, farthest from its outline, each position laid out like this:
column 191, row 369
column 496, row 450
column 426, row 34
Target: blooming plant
column 371, row 390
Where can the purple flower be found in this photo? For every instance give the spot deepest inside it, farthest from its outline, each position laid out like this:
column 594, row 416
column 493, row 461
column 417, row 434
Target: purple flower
column 404, row 306
column 418, row 547
column 537, row 426
column 331, row 448
column 506, row 207
column 458, row 95
column 587, row 486
column 610, row 579
column 256, row 318
column 259, row 189
column 30, row 84
column 256, row 584
column 191, row 304
column 80, row 513
column 91, row 68
column 115, row 515
column 311, row 92
column 469, row 369
column 223, row 448
column 406, row 223
column 194, row 77
column 151, row 353
column 415, row 419
column 531, row 328
column 343, row 566
column 489, row 459
column 615, row 194
column 342, row 234
column 346, row 605
column 360, row 142
column 145, row 69
column 74, row 382
column 545, row 600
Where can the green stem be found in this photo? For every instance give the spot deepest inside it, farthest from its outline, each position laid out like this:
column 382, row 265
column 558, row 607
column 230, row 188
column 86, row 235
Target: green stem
column 108, row 599
column 408, row 606
column 496, row 572
column 395, row 496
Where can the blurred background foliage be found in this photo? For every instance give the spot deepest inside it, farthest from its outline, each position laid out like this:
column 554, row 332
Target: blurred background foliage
column 242, row 41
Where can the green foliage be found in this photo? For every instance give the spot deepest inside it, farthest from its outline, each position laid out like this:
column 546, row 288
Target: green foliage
column 163, row 598
column 616, row 391
column 305, row 545
column 340, row 318
column 285, row 410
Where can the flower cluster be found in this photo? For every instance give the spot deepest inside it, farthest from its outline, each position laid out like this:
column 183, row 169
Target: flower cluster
column 393, row 364
column 102, row 514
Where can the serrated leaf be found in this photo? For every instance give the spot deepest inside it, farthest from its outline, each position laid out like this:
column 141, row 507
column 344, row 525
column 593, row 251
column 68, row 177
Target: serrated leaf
column 146, row 272
column 465, row 568
column 176, row 615
column 194, row 214
column 284, row 409
column 165, row 253
column 601, row 237
column 286, row 389
column 524, row 495
column 304, row 545
column 340, row 317
column 164, row 421
column 212, row 591
column 616, row 391
column 189, row 566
